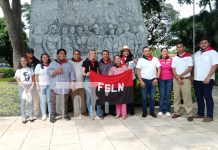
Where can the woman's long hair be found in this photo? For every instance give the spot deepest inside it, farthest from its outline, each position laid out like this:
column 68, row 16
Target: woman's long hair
column 129, row 57
column 19, row 65
column 41, row 62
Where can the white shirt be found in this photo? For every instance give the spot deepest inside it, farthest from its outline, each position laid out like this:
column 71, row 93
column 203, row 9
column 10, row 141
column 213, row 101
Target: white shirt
column 43, row 77
column 148, row 69
column 25, row 75
column 203, row 63
column 181, row 64
column 79, row 77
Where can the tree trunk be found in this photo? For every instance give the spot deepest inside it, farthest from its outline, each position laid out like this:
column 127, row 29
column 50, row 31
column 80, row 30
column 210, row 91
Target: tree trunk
column 14, row 25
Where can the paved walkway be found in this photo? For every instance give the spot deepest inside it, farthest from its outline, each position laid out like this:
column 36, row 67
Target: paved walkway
column 134, row 133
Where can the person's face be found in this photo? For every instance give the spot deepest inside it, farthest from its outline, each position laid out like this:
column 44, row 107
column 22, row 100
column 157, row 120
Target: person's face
column 61, row 55
column 97, row 31
column 125, row 52
column 117, row 60
column 164, row 53
column 53, row 30
column 111, row 31
column 105, row 56
column 146, row 52
column 204, row 44
column 92, row 55
column 65, row 30
column 29, row 57
column 45, row 59
column 76, row 55
column 80, row 32
column 23, row 62
column 72, row 30
column 126, row 28
column 180, row 48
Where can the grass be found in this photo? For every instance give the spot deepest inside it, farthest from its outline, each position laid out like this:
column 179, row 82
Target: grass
column 9, row 99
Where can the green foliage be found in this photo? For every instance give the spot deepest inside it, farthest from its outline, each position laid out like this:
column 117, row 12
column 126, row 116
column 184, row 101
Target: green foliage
column 9, row 99
column 8, row 72
column 206, row 25
column 11, row 79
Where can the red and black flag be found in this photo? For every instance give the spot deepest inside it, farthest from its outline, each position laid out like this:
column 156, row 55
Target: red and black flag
column 117, row 89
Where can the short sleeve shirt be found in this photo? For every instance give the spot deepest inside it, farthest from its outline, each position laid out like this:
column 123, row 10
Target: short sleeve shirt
column 90, row 66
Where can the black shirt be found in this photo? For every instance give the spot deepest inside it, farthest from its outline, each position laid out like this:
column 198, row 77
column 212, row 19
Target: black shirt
column 34, row 63
column 90, row 65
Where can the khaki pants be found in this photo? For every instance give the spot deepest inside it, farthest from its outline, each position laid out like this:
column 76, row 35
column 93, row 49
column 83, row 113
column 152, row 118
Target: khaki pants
column 78, row 99
column 185, row 88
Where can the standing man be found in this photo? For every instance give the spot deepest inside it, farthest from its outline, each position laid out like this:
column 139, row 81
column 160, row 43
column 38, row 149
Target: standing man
column 182, row 65
column 78, row 103
column 205, row 62
column 104, row 66
column 148, row 72
column 33, row 62
column 62, row 79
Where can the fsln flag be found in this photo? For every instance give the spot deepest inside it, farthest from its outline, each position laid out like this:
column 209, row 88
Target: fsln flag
column 117, row 89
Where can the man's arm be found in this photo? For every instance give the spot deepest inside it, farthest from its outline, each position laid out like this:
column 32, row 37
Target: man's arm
column 140, row 78
column 212, row 71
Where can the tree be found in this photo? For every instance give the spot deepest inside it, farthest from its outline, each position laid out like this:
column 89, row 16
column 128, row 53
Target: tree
column 158, row 17
column 206, row 26
column 202, row 3
column 12, row 14
column 5, row 44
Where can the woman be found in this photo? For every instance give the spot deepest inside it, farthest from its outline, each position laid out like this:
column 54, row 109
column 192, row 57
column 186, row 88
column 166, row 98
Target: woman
column 91, row 64
column 165, row 82
column 24, row 78
column 43, row 84
column 119, row 68
column 127, row 58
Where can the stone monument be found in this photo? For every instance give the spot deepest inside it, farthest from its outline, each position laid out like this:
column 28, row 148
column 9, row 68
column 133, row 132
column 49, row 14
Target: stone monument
column 86, row 24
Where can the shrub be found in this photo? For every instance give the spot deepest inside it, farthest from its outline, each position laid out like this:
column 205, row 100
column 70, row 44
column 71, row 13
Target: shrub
column 7, row 72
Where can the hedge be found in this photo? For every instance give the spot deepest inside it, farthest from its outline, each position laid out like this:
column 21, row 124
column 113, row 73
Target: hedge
column 7, row 72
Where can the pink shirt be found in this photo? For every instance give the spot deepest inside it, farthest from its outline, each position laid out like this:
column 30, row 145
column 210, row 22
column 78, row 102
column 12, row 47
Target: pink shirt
column 166, row 69
column 116, row 71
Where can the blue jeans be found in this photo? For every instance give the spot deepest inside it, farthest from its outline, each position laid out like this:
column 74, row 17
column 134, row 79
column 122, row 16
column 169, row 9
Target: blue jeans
column 45, row 98
column 148, row 90
column 26, row 107
column 99, row 111
column 204, row 92
column 165, row 88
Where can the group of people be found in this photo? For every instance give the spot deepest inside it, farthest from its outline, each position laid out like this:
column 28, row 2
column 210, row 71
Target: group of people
column 56, row 80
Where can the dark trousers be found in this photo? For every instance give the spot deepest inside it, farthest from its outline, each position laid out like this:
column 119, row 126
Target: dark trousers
column 130, row 106
column 203, row 92
column 63, row 99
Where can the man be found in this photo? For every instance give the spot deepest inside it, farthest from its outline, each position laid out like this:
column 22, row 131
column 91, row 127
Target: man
column 148, row 72
column 62, row 79
column 52, row 41
column 104, row 66
column 78, row 95
column 182, row 65
column 111, row 41
column 205, row 62
column 33, row 62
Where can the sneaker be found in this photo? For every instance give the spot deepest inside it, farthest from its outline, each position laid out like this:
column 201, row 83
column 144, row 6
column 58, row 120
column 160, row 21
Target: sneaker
column 117, row 116
column 175, row 116
column 198, row 116
column 24, row 120
column 190, row 118
column 207, row 119
column 32, row 119
column 44, row 117
column 124, row 117
column 168, row 114
column 144, row 114
column 92, row 118
column 160, row 114
column 52, row 120
column 153, row 115
column 67, row 117
column 97, row 118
